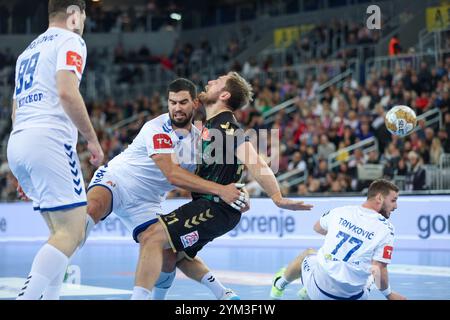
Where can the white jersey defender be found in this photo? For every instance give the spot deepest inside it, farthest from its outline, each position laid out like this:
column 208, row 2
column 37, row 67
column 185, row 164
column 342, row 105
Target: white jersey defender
column 42, row 130
column 36, row 95
column 136, row 183
column 355, row 236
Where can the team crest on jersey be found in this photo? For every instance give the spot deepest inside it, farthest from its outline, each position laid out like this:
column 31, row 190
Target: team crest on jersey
column 387, row 252
column 188, row 240
column 74, row 59
column 162, row 141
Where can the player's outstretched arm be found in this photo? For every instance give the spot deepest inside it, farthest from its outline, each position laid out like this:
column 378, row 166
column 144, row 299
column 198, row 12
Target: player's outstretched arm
column 73, row 104
column 184, row 179
column 264, row 176
column 380, row 274
column 318, row 228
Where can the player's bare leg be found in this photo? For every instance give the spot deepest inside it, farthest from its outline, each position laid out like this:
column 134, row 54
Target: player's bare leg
column 286, row 275
column 152, row 243
column 50, row 263
column 197, row 270
column 99, row 204
column 167, row 275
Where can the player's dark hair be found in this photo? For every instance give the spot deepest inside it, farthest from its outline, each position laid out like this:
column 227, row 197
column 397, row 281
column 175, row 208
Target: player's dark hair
column 56, row 7
column 381, row 186
column 182, row 84
column 240, row 91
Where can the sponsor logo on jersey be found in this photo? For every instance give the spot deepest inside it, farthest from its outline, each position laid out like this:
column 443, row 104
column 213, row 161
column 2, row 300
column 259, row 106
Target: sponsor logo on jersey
column 112, row 184
column 162, row 141
column 387, row 252
column 188, row 240
column 74, row 59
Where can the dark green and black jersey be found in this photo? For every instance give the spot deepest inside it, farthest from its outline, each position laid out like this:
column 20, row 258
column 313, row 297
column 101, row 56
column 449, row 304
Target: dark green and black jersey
column 221, row 136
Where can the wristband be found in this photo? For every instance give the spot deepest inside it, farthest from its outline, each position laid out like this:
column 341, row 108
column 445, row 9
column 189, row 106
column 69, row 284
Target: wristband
column 386, row 291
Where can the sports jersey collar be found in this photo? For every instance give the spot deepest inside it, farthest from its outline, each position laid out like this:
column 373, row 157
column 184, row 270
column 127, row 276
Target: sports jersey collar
column 61, row 29
column 219, row 113
column 167, row 126
column 371, row 211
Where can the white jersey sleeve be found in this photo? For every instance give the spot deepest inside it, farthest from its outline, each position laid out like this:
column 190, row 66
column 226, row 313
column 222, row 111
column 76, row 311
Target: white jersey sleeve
column 157, row 141
column 71, row 55
column 325, row 219
column 383, row 252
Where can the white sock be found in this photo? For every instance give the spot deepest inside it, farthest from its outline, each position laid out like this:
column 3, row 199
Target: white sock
column 213, row 284
column 163, row 285
column 48, row 263
column 140, row 293
column 281, row 283
column 53, row 290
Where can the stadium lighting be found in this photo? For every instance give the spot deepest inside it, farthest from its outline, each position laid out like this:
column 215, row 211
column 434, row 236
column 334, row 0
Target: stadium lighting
column 175, row 16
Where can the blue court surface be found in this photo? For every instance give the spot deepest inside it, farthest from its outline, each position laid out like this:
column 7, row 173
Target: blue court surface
column 106, row 270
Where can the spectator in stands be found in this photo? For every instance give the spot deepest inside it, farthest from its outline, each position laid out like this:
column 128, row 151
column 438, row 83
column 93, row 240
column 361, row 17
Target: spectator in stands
column 436, row 151
column 320, row 174
column 373, row 157
column 416, row 176
column 364, row 131
column 394, row 46
column 297, row 162
column 325, row 147
column 402, row 168
column 445, row 141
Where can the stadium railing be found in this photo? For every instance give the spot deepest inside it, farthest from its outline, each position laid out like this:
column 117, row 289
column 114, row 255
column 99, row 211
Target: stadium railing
column 438, row 176
column 366, row 145
column 289, row 106
column 126, row 122
column 431, row 117
column 403, row 60
column 292, row 177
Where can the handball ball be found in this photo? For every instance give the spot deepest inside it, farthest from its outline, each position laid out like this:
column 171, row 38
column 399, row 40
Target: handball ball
column 400, row 120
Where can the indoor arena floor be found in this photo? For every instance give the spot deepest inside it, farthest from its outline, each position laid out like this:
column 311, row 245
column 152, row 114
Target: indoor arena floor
column 107, row 271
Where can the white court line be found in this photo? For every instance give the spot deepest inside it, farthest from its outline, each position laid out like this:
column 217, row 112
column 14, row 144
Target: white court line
column 419, row 270
column 265, row 279
column 10, row 287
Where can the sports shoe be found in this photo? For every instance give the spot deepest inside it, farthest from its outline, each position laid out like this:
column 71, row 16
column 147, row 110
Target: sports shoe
column 229, row 295
column 302, row 294
column 275, row 293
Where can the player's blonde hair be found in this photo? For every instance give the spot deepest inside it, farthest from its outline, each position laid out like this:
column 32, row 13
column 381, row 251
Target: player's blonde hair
column 58, row 8
column 240, row 90
column 382, row 186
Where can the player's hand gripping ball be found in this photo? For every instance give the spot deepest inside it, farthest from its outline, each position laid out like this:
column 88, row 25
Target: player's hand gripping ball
column 400, row 120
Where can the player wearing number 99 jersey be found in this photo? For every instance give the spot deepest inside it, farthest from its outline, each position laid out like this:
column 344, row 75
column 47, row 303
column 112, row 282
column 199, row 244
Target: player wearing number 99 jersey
column 358, row 243
column 47, row 111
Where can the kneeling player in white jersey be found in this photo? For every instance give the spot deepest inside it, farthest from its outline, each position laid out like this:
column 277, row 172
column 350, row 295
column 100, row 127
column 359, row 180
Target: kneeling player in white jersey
column 47, row 111
column 358, row 246
column 134, row 183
